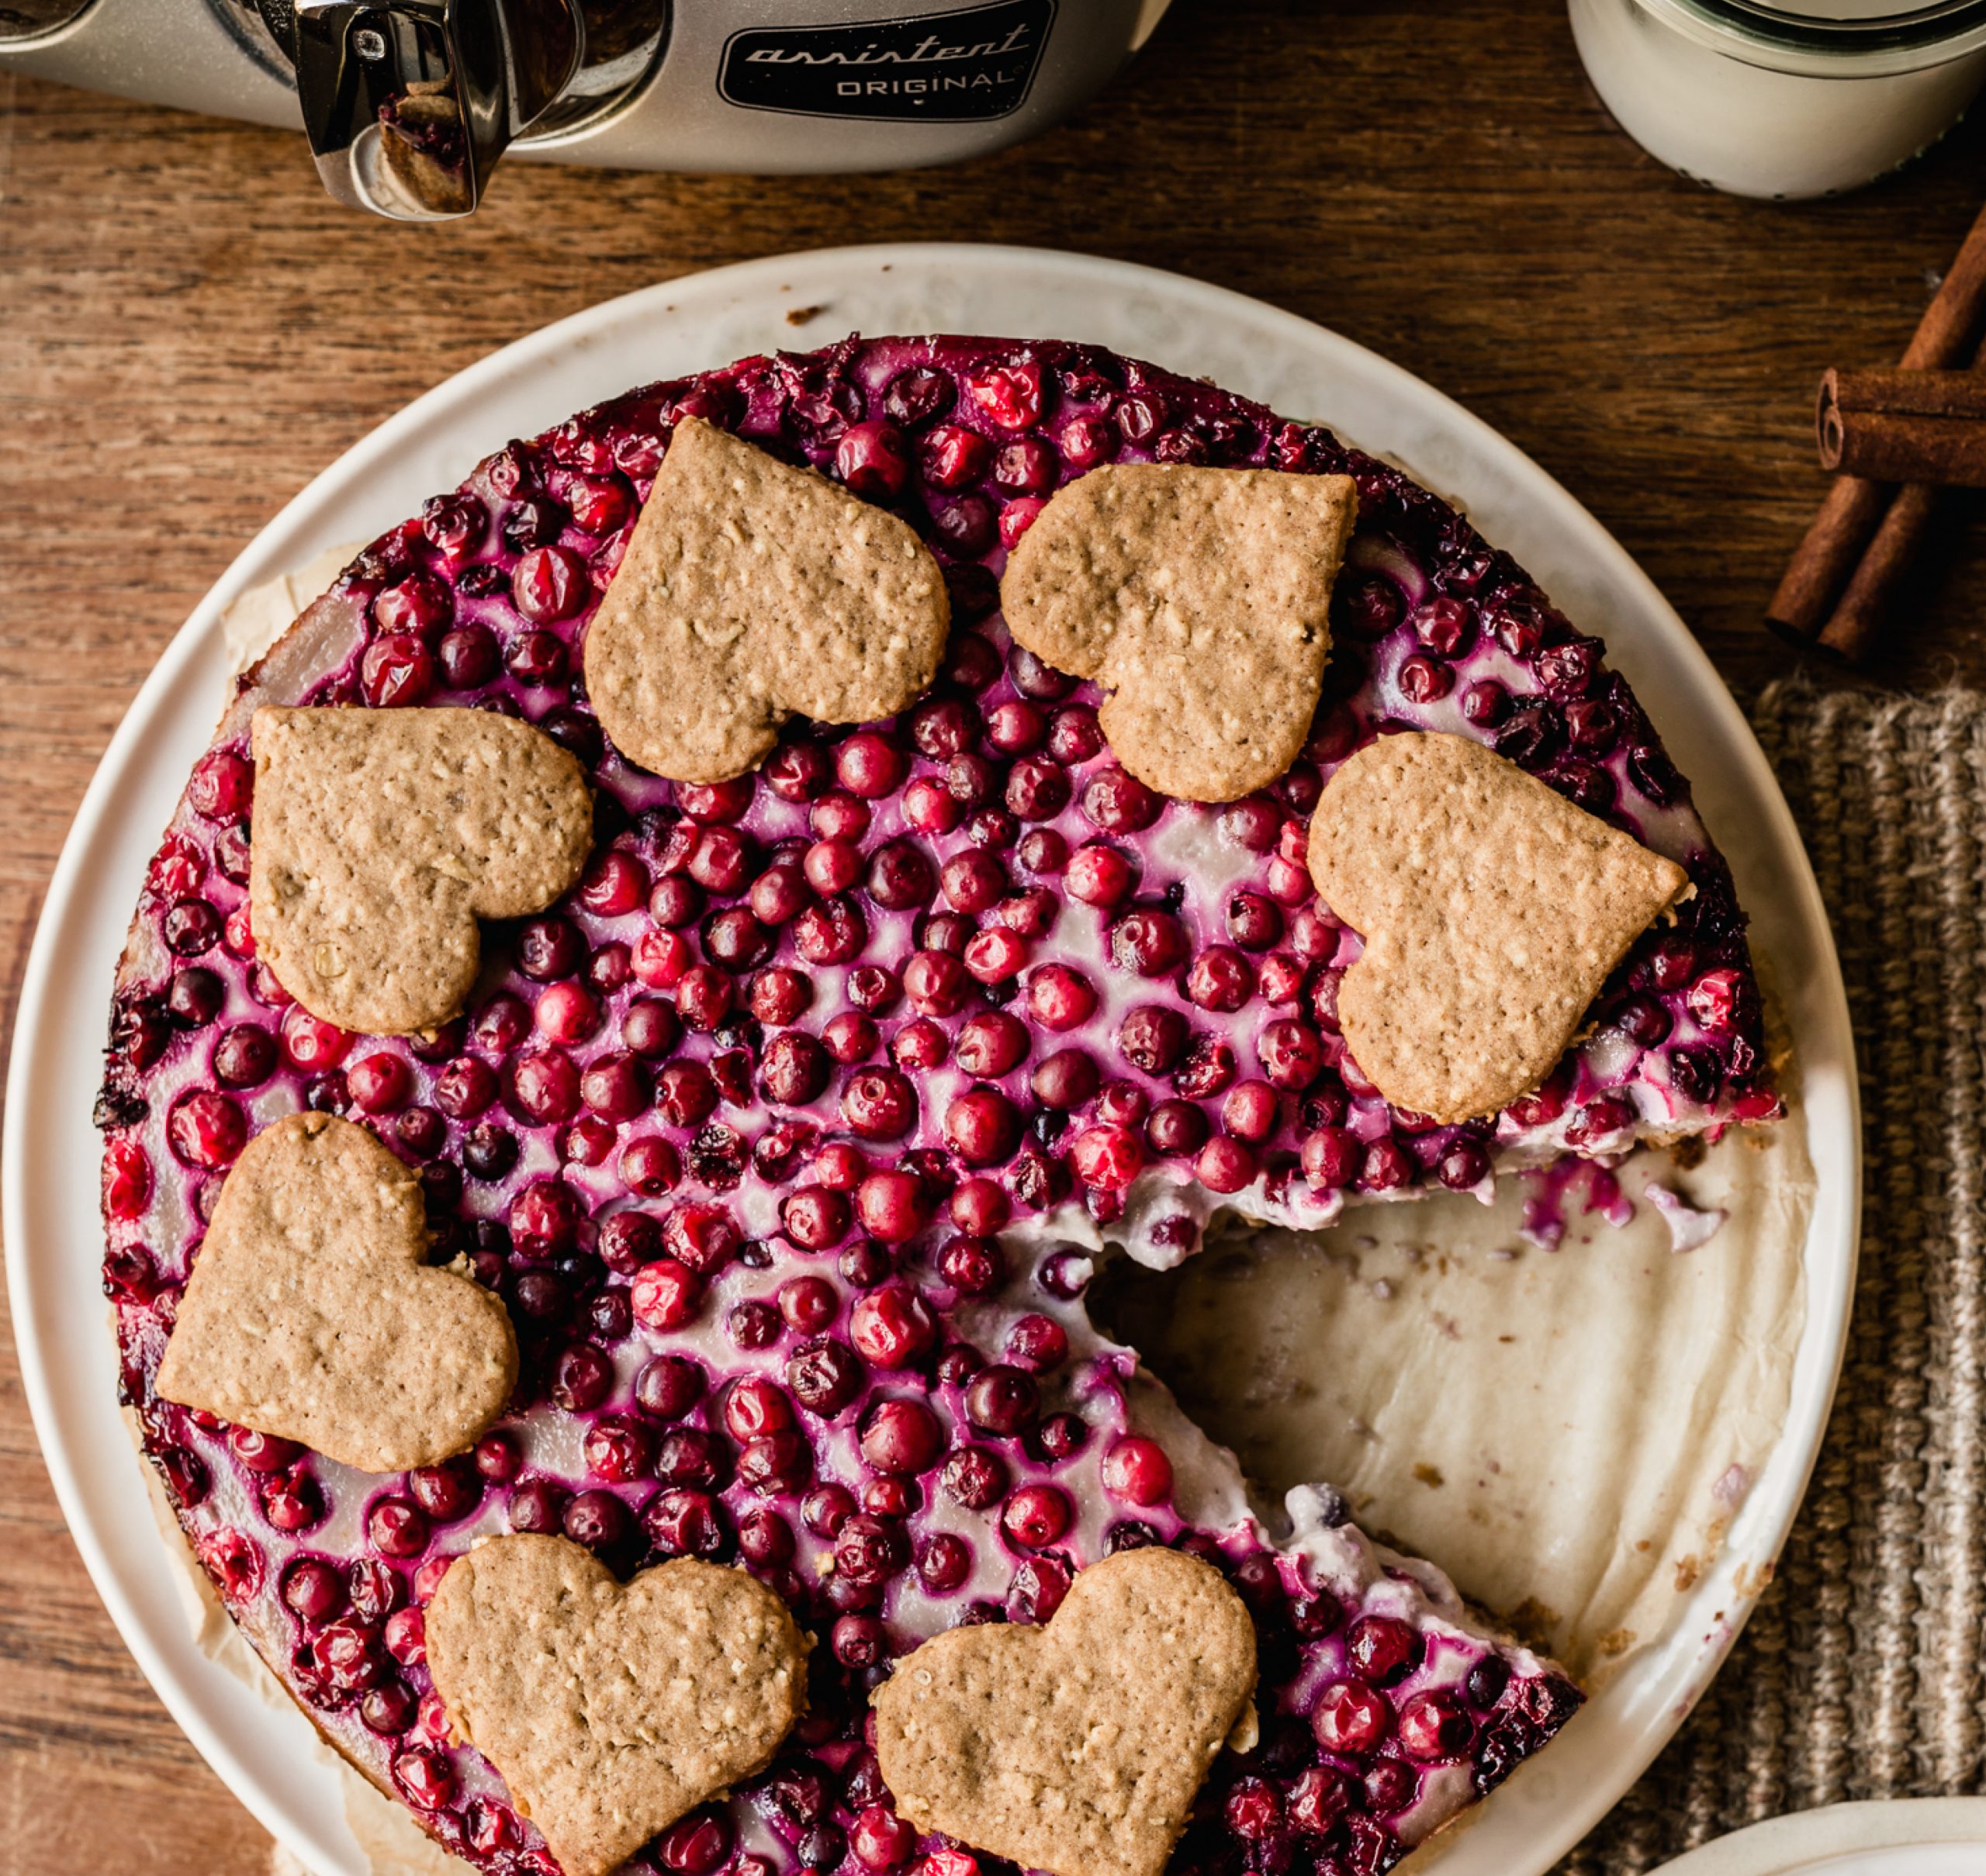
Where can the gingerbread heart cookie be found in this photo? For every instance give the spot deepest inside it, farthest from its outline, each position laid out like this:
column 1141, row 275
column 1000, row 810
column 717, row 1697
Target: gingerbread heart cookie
column 310, row 1314
column 379, row 837
column 1199, row 599
column 1077, row 1747
column 1492, row 908
column 752, row 592
column 611, row 1712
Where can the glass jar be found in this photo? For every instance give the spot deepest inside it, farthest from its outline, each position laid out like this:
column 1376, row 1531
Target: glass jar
column 1798, row 97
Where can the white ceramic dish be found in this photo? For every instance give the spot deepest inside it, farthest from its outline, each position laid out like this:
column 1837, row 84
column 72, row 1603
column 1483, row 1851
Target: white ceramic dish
column 67, row 1356
column 1925, row 1836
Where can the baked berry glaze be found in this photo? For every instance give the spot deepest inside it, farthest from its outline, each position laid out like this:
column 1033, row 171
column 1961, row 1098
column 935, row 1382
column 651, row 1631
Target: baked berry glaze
column 790, row 1138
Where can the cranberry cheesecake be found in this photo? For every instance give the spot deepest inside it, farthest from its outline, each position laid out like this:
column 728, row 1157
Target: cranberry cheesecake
column 789, row 1137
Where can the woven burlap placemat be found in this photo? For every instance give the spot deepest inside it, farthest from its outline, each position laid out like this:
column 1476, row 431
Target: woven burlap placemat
column 1859, row 1674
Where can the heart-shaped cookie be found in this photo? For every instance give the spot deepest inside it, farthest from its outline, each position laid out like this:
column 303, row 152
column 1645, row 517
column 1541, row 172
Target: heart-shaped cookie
column 379, row 837
column 751, row 592
column 1200, row 599
column 310, row 1315
column 1076, row 1747
column 610, row 1711
column 1492, row 908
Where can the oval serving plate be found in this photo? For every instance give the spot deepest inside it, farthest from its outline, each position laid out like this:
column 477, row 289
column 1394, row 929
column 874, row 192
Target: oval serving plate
column 270, row 1758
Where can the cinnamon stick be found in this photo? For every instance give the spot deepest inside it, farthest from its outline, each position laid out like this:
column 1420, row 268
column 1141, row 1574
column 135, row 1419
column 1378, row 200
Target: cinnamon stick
column 1891, row 390
column 1948, row 451
column 1854, row 624
column 1854, row 507
column 1853, row 628
column 1898, row 426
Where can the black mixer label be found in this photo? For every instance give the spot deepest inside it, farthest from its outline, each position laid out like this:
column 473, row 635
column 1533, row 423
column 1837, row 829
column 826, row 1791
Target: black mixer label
column 941, row 68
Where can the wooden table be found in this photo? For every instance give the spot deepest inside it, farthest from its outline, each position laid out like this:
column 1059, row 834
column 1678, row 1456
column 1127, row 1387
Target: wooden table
column 189, row 331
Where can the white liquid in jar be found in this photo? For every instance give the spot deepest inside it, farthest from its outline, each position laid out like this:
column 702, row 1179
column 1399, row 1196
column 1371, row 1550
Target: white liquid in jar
column 1762, row 110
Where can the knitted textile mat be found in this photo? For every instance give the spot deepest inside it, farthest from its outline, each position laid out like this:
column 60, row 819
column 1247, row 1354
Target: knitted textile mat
column 1859, row 1674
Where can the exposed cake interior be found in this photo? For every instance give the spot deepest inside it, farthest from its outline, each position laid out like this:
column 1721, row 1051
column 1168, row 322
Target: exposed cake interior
column 788, row 1136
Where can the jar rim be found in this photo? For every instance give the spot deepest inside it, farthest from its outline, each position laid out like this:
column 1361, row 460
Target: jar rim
column 1860, row 45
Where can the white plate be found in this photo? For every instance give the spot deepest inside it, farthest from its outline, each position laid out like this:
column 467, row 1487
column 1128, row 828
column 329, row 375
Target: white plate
column 68, row 1358
column 1924, row 1836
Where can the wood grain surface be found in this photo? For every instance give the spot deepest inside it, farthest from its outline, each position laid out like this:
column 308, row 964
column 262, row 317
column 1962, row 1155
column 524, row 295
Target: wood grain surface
column 189, row 331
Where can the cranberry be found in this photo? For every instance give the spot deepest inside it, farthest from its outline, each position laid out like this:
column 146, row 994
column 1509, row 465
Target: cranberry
column 1116, row 800
column 1254, row 1810
column 1100, row 876
column 1382, row 1648
column 954, row 457
column 1039, row 1586
column 1225, row 1164
column 497, row 1458
column 684, row 1523
column 873, row 460
column 881, row 1840
column 1714, row 999
column 649, row 1168
column 1220, row 979
column 1435, row 1724
column 1423, row 680
column 809, row 1304
column 830, row 932
column 974, row 1477
column 1036, row 1516
column 686, row 1094
column 1485, row 703
column 245, row 1056
column 665, row 1294
column 1003, row 1400
column 893, row 1327
column 1149, row 942
column 312, row 1589
column 1249, row 1111
column 815, row 1218
column 869, row 765
column 1152, row 1038
column 892, row 1206
column 1464, row 1166
column 705, row 1238
column 944, row 1560
column 703, row 997
column 827, row 1508
column 1038, row 1343
column 1107, row 1159
column 597, row 1519
column 1037, row 790
column 669, row 1386
column 1388, row 1166
column 1600, row 1120
column 581, row 1378
column 1009, row 394
column 262, row 1452
column 699, row 1844
column 1319, row 1797
column 983, row 1127
column 840, row 1168
column 974, row 1266
column 545, row 1217
column 206, row 1129
column 223, row 786
column 1350, row 1718
column 869, row 1551
column 1060, row 997
column 779, row 1464
column 879, row 1104
column 764, row 1537
column 967, row 526
column 396, row 1528
column 990, row 1045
